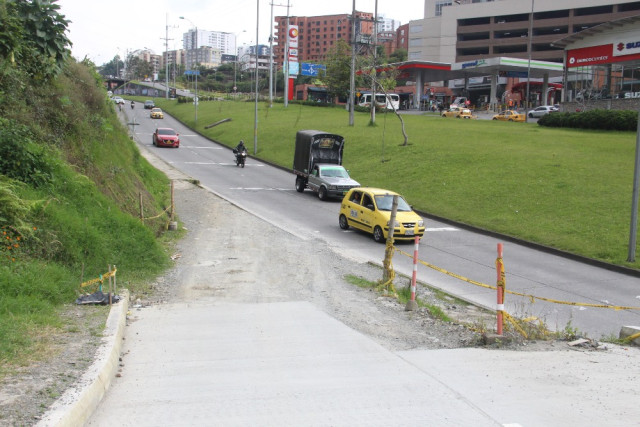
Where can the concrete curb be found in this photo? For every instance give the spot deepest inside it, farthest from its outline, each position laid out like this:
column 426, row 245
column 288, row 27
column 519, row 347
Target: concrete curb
column 77, row 404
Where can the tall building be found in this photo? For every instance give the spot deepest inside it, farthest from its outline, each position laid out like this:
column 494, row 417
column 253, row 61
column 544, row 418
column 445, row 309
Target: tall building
column 464, row 30
column 318, row 34
column 210, row 46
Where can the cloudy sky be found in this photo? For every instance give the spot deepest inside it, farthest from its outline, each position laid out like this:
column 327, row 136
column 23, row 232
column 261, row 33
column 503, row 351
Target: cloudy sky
column 102, row 30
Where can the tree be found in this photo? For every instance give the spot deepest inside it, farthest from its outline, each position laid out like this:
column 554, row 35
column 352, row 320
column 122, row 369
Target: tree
column 385, row 81
column 112, row 68
column 32, row 36
column 338, row 72
column 399, row 55
column 137, row 68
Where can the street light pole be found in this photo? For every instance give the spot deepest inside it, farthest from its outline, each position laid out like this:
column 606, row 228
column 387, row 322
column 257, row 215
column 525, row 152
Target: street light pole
column 166, row 59
column 235, row 63
column 526, row 104
column 195, row 53
column 352, row 79
column 255, row 116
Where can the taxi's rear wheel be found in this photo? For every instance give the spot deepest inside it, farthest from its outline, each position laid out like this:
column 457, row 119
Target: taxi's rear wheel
column 344, row 224
column 378, row 235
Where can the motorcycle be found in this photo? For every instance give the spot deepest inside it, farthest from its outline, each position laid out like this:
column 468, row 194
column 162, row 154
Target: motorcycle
column 241, row 156
column 132, row 105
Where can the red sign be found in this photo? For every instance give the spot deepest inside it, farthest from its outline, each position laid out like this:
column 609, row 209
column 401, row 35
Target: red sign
column 590, row 56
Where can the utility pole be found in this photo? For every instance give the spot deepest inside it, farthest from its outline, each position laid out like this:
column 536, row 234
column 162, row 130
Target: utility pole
column 255, row 119
column 352, row 79
column 374, row 71
column 271, row 55
column 166, row 58
column 285, row 60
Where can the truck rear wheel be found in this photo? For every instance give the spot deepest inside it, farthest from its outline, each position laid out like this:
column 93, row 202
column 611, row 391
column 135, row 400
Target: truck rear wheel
column 300, row 184
column 322, row 193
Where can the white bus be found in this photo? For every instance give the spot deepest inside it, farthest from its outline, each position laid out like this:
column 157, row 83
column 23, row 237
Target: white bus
column 392, row 101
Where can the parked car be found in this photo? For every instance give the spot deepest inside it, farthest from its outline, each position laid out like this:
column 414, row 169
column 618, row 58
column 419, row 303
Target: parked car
column 369, row 209
column 156, row 113
column 510, row 116
column 118, row 100
column 148, row 104
column 542, row 110
column 166, row 137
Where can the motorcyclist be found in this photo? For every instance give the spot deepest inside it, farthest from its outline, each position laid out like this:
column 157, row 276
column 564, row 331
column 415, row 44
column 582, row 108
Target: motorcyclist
column 240, row 147
column 132, row 104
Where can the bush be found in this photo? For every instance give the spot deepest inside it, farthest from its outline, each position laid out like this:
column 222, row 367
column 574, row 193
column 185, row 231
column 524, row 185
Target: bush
column 20, row 157
column 621, row 120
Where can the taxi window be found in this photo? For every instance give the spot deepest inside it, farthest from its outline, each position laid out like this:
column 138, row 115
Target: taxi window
column 355, row 197
column 367, row 202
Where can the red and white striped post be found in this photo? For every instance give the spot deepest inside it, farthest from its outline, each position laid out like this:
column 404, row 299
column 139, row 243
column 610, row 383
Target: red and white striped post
column 500, row 285
column 412, row 304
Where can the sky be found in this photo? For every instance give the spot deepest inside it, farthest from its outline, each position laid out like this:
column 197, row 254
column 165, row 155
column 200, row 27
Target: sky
column 102, row 30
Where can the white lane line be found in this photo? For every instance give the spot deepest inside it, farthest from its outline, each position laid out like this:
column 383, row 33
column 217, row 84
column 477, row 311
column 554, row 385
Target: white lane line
column 442, row 229
column 203, row 148
column 260, row 189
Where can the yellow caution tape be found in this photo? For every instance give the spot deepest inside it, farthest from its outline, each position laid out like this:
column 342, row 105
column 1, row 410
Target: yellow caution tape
column 632, row 337
column 532, row 298
column 159, row 215
column 99, row 279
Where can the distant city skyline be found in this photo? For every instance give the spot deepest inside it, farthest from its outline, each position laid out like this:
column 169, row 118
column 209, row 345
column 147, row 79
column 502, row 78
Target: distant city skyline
column 143, row 24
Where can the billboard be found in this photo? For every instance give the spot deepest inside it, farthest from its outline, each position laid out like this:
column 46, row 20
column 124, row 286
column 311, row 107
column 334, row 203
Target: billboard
column 294, row 68
column 293, row 36
column 308, row 69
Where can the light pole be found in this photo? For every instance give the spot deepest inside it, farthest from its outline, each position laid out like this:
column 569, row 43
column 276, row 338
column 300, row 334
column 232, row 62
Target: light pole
column 195, row 53
column 235, row 63
column 526, row 105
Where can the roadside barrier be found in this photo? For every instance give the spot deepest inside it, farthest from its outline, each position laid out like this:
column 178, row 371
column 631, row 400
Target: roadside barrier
column 532, row 298
column 110, row 275
column 501, row 290
column 169, row 209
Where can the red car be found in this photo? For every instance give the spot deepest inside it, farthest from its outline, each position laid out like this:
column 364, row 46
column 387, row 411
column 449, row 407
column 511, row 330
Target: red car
column 166, row 137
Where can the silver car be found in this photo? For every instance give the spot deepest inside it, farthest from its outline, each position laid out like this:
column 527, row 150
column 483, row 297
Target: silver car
column 542, row 110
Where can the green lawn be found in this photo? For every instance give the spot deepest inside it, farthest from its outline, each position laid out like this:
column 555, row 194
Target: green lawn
column 570, row 189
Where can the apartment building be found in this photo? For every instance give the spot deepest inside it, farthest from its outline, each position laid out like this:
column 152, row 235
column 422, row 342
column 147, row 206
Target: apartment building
column 464, row 30
column 318, row 34
column 247, row 57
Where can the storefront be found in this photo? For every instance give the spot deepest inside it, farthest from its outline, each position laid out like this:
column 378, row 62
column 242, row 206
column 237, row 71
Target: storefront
column 602, row 65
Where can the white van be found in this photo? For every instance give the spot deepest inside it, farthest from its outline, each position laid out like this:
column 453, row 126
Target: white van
column 392, row 101
column 460, row 101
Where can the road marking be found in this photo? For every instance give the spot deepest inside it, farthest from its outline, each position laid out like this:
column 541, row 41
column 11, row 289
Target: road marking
column 442, row 229
column 204, row 148
column 261, row 189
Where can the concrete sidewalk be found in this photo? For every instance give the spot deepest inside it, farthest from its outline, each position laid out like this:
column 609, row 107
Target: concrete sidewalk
column 291, row 364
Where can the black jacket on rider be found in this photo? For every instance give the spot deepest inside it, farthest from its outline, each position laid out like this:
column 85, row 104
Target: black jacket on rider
column 240, row 148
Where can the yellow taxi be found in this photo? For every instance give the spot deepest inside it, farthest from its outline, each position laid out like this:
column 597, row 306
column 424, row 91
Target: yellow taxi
column 458, row 113
column 156, row 113
column 510, row 116
column 369, row 209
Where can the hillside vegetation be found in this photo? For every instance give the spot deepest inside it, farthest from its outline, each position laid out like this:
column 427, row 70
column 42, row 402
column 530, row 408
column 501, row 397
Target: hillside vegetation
column 70, row 182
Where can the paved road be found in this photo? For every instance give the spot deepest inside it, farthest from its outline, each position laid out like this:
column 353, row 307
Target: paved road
column 269, row 193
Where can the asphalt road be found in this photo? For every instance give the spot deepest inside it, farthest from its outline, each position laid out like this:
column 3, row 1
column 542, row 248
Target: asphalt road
column 269, row 193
